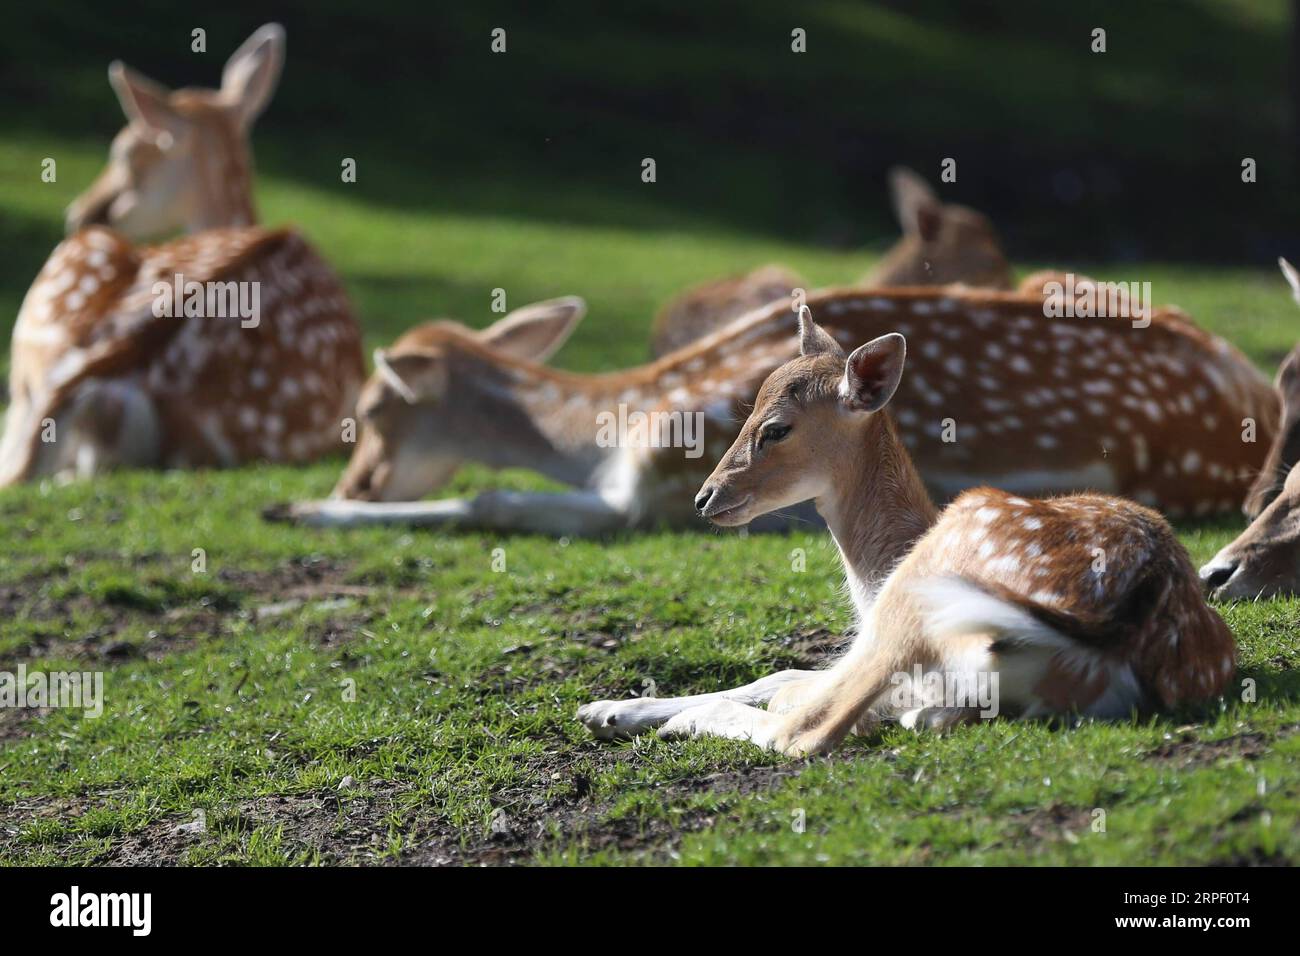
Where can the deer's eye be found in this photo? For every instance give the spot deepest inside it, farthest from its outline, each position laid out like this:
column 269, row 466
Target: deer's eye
column 771, row 433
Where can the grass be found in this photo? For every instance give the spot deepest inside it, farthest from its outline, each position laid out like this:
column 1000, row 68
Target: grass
column 459, row 719
column 381, row 696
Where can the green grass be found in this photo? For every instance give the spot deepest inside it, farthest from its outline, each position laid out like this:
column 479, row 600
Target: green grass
column 466, row 680
column 445, row 690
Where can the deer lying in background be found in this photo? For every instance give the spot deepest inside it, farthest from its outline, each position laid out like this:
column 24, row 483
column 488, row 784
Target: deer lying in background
column 1264, row 560
column 1084, row 604
column 1032, row 405
column 100, row 379
column 709, row 306
column 942, row 244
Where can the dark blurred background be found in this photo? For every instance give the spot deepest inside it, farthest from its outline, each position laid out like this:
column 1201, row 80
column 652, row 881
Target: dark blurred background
column 1134, row 153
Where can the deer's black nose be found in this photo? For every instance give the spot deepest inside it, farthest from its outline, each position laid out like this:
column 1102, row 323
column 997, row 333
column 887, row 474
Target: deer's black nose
column 1217, row 573
column 703, row 498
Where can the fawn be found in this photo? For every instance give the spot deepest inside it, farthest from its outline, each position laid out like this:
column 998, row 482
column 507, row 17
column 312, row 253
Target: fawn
column 998, row 395
column 103, row 377
column 1084, row 604
column 1264, row 560
column 942, row 244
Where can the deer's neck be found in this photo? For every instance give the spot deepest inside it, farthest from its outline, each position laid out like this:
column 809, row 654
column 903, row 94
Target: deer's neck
column 225, row 194
column 543, row 420
column 877, row 508
column 579, row 428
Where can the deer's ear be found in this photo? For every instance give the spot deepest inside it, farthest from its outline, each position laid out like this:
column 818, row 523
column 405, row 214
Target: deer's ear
column 146, row 104
column 416, row 376
column 872, row 373
column 1287, row 382
column 536, row 332
column 919, row 210
column 1292, row 277
column 253, row 72
column 813, row 339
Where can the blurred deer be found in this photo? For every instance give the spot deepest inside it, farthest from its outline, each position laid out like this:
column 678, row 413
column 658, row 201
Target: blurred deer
column 709, row 306
column 1084, row 604
column 1264, row 560
column 183, row 162
column 942, row 244
column 999, row 394
column 103, row 377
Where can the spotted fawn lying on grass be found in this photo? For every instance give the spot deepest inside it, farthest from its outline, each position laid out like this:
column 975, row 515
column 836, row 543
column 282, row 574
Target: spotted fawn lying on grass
column 1083, row 605
column 942, row 244
column 266, row 365
column 1035, row 405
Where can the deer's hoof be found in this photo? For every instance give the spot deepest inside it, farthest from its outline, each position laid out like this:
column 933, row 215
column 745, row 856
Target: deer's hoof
column 288, row 512
column 279, row 512
column 603, row 719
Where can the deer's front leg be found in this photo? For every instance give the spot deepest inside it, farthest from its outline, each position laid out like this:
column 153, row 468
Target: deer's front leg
column 347, row 513
column 725, row 718
column 609, row 719
column 573, row 514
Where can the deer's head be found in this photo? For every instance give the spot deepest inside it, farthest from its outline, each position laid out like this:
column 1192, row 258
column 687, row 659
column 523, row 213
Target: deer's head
column 810, row 415
column 942, row 242
column 438, row 398
column 182, row 162
column 1285, row 451
column 1265, row 559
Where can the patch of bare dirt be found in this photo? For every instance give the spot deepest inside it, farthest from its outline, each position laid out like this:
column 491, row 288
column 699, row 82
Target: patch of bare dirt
column 1188, row 751
column 554, row 808
column 17, row 723
column 811, row 647
column 333, row 827
column 308, row 578
column 526, row 824
column 174, row 629
column 1056, row 822
column 236, row 595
